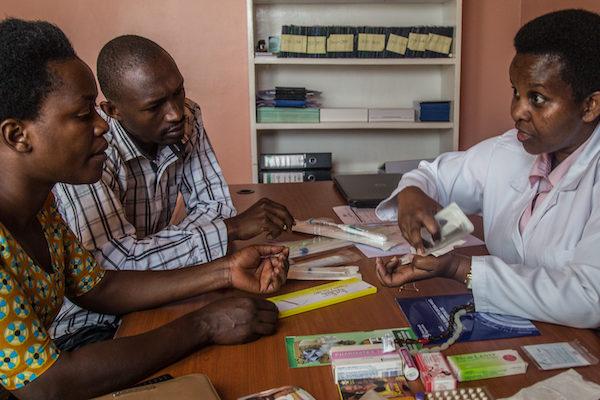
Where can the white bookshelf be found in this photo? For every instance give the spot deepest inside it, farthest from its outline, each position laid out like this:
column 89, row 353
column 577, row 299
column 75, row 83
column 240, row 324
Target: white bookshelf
column 355, row 125
column 355, row 82
column 272, row 60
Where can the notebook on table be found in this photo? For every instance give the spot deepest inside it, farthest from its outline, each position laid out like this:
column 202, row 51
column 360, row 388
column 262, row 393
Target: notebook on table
column 366, row 190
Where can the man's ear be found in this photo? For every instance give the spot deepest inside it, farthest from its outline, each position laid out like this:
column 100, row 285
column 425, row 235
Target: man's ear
column 15, row 136
column 591, row 107
column 110, row 109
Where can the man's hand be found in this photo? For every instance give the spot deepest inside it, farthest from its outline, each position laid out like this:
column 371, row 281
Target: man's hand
column 238, row 319
column 263, row 216
column 416, row 210
column 259, row 268
column 452, row 266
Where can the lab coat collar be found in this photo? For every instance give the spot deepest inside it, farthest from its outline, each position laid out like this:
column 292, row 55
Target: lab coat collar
column 573, row 176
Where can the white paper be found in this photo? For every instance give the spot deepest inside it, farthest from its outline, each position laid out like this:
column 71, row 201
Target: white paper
column 556, row 355
column 357, row 216
column 372, row 252
column 566, row 385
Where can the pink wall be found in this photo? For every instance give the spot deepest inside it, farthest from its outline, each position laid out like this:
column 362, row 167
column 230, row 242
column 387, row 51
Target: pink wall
column 206, row 38
column 208, row 41
column 488, row 29
column 534, row 8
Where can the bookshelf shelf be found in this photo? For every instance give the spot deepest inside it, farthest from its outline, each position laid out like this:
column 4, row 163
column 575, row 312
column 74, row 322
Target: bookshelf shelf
column 356, row 125
column 356, row 83
column 272, row 60
column 346, row 1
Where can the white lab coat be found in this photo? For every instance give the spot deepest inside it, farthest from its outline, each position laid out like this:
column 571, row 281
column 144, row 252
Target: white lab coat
column 550, row 272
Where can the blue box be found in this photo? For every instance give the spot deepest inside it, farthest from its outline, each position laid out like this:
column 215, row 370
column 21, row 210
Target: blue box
column 434, row 111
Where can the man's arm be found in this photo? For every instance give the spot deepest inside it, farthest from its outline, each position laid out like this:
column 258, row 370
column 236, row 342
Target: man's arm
column 97, row 216
column 111, row 365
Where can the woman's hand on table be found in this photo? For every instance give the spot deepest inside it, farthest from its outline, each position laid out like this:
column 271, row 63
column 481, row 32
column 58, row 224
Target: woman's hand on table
column 451, row 266
column 417, row 210
column 259, row 268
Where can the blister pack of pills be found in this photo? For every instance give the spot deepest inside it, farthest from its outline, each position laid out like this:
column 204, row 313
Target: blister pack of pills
column 472, row 393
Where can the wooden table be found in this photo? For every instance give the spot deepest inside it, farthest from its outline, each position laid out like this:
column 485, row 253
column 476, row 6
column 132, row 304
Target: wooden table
column 244, row 369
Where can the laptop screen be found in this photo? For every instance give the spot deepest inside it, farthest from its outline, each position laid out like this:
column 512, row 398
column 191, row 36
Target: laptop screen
column 366, row 190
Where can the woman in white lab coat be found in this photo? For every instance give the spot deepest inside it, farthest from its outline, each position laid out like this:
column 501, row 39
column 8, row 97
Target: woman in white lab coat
column 537, row 186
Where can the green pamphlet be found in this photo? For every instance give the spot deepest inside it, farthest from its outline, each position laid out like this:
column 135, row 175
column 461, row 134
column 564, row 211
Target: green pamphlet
column 313, row 351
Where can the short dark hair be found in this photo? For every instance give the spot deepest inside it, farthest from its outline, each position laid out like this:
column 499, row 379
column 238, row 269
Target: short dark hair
column 26, row 48
column 121, row 54
column 574, row 37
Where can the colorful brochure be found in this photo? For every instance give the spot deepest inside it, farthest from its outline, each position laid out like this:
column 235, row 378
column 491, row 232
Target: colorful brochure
column 429, row 316
column 313, row 350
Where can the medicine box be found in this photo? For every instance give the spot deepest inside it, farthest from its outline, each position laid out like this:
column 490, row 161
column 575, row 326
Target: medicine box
column 435, row 372
column 487, row 364
column 364, row 361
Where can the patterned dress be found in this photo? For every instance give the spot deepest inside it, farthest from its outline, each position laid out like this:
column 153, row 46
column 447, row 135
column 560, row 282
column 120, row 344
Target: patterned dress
column 30, row 297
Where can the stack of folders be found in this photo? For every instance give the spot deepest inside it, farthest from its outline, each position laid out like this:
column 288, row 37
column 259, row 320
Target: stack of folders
column 366, row 41
column 287, row 105
column 298, row 167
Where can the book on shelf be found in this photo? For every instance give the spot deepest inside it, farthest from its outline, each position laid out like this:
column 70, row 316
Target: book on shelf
column 371, row 42
column 366, row 41
column 397, row 42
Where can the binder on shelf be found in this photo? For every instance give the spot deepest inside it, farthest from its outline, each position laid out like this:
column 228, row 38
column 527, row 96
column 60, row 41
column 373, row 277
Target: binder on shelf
column 291, row 161
column 292, row 176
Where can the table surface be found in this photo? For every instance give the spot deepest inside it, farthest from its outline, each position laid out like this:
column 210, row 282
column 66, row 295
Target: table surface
column 244, row 369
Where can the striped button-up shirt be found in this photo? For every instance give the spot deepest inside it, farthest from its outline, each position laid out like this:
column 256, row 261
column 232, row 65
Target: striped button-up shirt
column 124, row 219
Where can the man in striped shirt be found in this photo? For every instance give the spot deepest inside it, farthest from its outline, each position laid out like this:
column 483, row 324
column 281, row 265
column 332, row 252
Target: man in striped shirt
column 158, row 149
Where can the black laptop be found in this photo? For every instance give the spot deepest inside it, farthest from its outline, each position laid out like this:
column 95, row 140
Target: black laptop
column 368, row 190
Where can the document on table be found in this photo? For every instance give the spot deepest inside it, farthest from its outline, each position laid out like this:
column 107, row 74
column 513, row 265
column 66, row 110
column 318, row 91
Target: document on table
column 367, row 216
column 353, row 215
